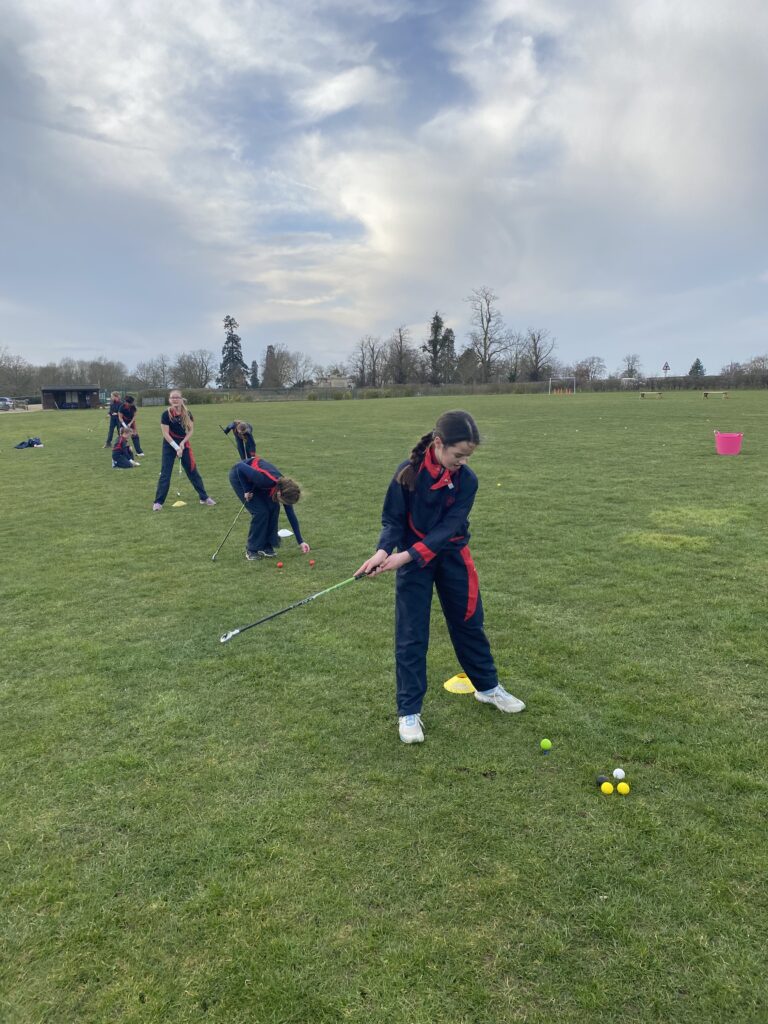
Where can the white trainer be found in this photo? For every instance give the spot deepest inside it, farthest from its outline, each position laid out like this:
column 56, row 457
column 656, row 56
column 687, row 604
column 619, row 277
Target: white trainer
column 410, row 729
column 500, row 699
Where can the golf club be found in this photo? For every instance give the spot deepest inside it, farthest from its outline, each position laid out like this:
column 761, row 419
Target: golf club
column 234, row 442
column 234, row 632
column 218, row 549
column 178, row 492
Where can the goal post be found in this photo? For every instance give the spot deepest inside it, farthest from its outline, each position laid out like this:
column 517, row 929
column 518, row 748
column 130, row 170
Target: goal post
column 562, row 386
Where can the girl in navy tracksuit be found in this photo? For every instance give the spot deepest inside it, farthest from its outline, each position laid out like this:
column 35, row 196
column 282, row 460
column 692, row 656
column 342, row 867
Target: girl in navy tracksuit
column 263, row 489
column 243, row 438
column 127, row 416
column 122, row 453
column 177, row 425
column 115, row 402
column 425, row 517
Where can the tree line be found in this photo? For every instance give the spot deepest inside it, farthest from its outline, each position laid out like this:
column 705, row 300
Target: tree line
column 491, row 353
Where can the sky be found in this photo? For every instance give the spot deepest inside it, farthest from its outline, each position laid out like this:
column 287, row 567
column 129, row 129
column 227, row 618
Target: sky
column 328, row 169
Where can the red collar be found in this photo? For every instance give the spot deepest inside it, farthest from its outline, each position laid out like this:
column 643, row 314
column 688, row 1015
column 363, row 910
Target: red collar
column 439, row 474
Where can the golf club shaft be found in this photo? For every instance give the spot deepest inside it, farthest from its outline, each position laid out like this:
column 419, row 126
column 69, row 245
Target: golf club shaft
column 218, row 549
column 234, row 442
column 228, row 636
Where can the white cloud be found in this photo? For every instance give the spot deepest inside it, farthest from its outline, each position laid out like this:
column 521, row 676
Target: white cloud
column 351, row 88
column 586, row 160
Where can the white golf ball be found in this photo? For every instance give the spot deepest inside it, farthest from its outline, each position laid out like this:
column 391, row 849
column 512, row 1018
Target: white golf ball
column 619, row 774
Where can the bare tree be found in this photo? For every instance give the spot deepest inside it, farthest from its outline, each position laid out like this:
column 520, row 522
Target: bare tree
column 194, row 369
column 400, row 359
column 155, row 373
column 489, row 339
column 514, row 362
column 630, row 365
column 539, row 347
column 367, row 362
column 16, row 374
column 300, row 369
column 591, row 368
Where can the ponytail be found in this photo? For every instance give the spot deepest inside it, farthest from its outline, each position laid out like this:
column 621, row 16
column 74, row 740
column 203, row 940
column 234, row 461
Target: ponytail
column 452, row 428
column 407, row 475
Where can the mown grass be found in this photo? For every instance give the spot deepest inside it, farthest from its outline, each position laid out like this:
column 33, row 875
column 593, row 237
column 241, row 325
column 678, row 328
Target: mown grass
column 198, row 832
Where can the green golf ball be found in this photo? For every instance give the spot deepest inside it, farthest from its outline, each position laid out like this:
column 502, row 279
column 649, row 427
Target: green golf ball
column 546, row 744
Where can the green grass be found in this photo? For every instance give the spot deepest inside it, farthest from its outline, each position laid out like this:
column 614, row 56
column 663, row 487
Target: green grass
column 233, row 833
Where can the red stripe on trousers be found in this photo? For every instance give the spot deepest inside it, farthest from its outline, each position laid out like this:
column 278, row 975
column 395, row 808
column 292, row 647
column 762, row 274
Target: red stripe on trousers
column 472, row 584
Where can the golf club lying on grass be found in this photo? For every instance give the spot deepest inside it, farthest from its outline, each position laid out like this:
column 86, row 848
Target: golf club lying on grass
column 218, row 549
column 234, row 632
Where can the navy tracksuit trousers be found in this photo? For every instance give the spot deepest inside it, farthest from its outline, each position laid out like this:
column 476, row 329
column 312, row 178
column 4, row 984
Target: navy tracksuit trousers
column 114, row 425
column 167, row 467
column 265, row 513
column 452, row 573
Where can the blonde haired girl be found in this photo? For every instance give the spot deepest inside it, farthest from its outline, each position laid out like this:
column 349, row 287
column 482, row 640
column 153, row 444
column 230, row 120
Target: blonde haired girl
column 177, row 425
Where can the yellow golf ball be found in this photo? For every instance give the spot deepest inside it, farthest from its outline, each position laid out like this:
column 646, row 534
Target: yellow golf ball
column 607, row 788
column 623, row 788
column 546, row 744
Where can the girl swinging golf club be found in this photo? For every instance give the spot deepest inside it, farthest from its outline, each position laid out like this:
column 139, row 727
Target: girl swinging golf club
column 243, row 434
column 177, row 425
column 425, row 517
column 262, row 488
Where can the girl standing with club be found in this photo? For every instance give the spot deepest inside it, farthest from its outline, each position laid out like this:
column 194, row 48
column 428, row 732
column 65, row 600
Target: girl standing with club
column 177, row 425
column 425, row 517
column 243, row 438
column 115, row 401
column 263, row 489
column 127, row 415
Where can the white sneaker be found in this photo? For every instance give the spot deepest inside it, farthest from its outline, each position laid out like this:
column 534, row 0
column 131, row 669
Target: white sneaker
column 410, row 729
column 500, row 699
column 207, row 501
column 157, row 507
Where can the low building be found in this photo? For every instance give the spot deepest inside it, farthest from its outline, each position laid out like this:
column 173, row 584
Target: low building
column 334, row 382
column 71, row 396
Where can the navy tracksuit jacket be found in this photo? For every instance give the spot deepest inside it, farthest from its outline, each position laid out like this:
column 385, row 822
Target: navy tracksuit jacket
column 245, row 445
column 260, row 477
column 169, row 457
column 127, row 416
column 431, row 523
column 122, row 454
column 114, row 419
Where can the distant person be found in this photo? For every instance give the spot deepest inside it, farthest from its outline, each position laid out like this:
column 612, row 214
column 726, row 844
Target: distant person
column 122, row 453
column 263, row 489
column 426, row 517
column 115, row 402
column 127, row 415
column 243, row 438
column 177, row 425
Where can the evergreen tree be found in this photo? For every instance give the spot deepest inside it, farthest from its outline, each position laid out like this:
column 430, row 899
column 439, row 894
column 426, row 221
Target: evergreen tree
column 697, row 370
column 254, row 374
column 270, row 377
column 448, row 357
column 434, row 349
column 233, row 371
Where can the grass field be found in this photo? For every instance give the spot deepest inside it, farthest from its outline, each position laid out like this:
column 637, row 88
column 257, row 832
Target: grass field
column 234, row 833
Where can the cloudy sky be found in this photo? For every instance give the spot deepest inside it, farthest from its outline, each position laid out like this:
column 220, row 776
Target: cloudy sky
column 324, row 169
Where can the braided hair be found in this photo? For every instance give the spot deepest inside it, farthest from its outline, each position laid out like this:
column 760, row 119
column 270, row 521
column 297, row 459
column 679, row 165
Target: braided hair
column 452, row 428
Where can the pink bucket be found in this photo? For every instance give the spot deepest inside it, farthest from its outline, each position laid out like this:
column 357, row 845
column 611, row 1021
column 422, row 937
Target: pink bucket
column 728, row 444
